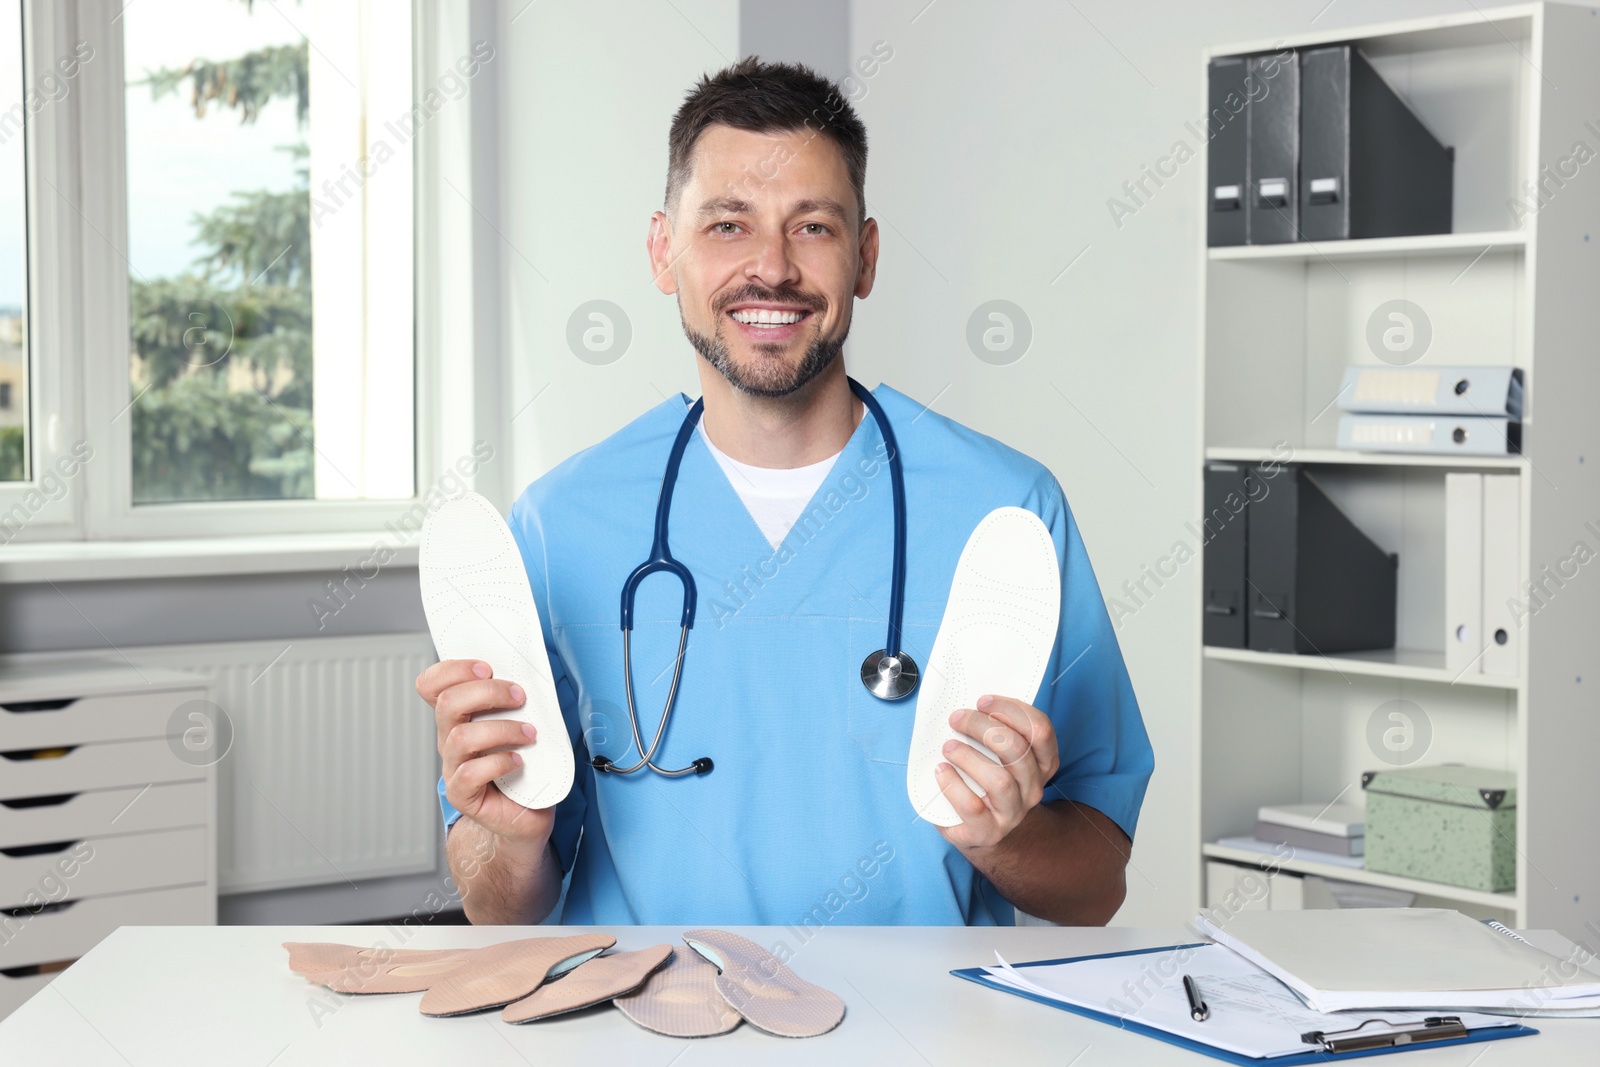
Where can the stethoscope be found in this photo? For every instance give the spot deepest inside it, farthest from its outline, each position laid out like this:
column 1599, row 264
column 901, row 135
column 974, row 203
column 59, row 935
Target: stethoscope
column 889, row 673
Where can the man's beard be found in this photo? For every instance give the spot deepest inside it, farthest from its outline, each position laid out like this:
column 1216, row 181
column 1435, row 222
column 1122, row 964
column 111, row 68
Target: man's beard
column 770, row 377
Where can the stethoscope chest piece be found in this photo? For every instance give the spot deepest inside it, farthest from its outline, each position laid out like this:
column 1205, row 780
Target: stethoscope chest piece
column 889, row 677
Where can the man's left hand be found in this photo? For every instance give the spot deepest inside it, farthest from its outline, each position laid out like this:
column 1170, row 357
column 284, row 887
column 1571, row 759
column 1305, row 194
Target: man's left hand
column 1025, row 741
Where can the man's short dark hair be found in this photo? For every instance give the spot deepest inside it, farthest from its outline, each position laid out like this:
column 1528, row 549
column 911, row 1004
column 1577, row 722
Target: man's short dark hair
column 767, row 98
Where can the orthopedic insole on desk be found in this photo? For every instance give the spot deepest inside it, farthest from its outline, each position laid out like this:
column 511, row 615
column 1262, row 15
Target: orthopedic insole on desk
column 452, row 982
column 594, row 982
column 758, row 986
column 350, row 969
column 699, row 991
column 680, row 1000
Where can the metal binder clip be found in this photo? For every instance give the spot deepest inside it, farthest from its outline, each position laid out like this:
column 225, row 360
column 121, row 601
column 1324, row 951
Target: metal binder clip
column 1433, row 1028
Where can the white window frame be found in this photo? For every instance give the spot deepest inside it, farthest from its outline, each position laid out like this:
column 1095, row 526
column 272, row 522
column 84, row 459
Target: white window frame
column 53, row 312
column 91, row 238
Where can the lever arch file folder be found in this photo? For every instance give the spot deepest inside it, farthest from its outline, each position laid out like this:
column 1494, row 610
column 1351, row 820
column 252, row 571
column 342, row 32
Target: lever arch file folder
column 1502, row 521
column 1480, row 391
column 1369, row 167
column 1228, row 99
column 1463, row 572
column 1226, row 500
column 1317, row 583
column 1467, row 435
column 1272, row 201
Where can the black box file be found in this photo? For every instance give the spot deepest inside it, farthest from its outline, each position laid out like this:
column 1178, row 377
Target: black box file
column 1272, row 202
column 1368, row 166
column 1317, row 583
column 1227, row 497
column 1225, row 158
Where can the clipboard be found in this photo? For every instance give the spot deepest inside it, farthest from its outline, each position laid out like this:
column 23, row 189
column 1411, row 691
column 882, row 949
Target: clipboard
column 977, row 975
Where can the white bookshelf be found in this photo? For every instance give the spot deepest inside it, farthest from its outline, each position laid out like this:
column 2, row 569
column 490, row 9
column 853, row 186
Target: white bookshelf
column 1341, row 458
column 1279, row 325
column 1449, row 895
column 1404, row 663
column 1432, row 244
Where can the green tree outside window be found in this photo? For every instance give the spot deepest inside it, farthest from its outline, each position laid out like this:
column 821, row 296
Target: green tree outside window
column 221, row 361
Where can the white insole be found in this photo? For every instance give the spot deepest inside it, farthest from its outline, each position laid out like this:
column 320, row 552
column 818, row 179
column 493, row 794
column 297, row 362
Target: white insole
column 997, row 634
column 475, row 593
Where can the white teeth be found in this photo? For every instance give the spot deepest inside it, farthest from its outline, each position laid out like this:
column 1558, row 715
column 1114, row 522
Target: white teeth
column 766, row 317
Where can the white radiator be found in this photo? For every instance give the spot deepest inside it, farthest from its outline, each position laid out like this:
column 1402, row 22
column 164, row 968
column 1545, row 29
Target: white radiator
column 330, row 777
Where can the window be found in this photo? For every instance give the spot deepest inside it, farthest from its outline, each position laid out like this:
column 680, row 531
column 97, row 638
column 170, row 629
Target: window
column 13, row 252
column 269, row 254
column 207, row 214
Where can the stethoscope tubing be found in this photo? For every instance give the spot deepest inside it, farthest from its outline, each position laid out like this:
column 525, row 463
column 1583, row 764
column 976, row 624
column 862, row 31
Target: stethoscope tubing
column 897, row 485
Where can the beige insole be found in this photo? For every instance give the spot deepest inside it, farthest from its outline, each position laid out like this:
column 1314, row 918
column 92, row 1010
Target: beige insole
column 758, row 986
column 352, row 969
column 496, row 975
column 588, row 984
column 706, row 991
column 680, row 1000
column 489, row 977
column 309, row 957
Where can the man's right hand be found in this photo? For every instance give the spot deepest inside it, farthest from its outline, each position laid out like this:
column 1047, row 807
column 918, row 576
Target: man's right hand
column 476, row 753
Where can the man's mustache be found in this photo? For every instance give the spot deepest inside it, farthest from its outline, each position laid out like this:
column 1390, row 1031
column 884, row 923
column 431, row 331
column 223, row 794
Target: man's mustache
column 767, row 296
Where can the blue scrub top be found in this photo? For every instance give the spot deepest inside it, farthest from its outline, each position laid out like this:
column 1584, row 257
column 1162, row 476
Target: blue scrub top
column 805, row 820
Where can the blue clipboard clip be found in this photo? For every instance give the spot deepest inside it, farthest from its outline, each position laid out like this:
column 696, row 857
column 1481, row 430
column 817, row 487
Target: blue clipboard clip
column 1433, row 1028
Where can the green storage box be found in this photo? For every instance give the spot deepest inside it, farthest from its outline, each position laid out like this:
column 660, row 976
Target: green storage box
column 1451, row 823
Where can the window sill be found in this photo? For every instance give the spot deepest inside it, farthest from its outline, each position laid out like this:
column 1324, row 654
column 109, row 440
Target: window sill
column 81, row 561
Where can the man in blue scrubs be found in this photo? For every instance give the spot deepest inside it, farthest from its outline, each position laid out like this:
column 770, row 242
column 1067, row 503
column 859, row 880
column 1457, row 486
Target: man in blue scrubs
column 783, row 514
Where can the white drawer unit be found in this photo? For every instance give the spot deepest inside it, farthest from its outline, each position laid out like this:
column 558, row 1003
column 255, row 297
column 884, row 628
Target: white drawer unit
column 128, row 810
column 54, row 770
column 74, row 720
column 107, row 810
column 67, row 930
column 97, row 865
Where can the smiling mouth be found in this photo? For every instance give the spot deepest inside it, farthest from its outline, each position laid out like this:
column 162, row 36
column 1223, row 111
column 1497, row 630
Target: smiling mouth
column 769, row 318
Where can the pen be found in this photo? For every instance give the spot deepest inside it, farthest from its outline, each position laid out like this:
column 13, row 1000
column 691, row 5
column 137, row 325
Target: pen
column 1197, row 1007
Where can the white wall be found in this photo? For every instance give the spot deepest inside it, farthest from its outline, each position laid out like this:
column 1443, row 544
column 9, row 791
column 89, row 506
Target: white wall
column 998, row 132
column 588, row 89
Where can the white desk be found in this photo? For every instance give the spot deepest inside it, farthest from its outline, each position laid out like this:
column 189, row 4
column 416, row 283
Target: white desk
column 225, row 995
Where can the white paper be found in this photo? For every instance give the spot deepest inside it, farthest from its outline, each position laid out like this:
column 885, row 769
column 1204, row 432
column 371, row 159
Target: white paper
column 1430, row 959
column 1251, row 1013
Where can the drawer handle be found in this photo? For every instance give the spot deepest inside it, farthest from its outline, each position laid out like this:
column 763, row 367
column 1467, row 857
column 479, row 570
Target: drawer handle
column 41, row 909
column 49, row 848
column 20, row 754
column 36, row 968
column 18, row 803
column 23, row 706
